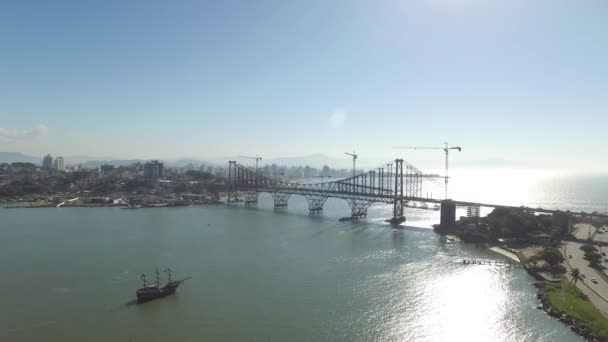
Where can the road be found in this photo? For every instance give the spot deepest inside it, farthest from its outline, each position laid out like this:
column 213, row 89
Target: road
column 583, row 231
column 598, row 293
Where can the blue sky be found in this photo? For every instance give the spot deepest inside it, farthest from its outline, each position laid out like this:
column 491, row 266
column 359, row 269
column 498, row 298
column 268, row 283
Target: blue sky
column 525, row 81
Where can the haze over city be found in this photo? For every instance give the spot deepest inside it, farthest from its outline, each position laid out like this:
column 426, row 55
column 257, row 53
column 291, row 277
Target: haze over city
column 516, row 81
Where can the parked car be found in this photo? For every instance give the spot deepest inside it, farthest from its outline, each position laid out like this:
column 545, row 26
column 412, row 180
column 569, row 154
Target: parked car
column 593, row 280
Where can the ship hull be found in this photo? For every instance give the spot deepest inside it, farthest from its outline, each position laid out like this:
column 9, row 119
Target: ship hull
column 148, row 294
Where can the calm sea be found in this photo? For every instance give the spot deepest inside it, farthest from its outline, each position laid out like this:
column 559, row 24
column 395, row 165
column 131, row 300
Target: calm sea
column 265, row 275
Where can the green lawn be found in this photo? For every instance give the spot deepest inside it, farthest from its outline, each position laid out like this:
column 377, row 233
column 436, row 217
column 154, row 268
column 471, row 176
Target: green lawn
column 567, row 298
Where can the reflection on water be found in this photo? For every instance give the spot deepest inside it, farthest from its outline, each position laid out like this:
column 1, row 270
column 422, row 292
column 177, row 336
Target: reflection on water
column 258, row 275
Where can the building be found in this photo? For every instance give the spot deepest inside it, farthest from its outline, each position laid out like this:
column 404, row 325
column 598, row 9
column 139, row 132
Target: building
column 59, row 164
column 153, row 169
column 539, row 237
column 106, row 168
column 47, row 162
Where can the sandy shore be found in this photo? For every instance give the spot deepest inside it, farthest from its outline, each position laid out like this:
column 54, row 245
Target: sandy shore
column 505, row 252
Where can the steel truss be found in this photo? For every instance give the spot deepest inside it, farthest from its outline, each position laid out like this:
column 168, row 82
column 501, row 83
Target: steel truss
column 315, row 203
column 280, row 199
column 387, row 184
column 251, row 197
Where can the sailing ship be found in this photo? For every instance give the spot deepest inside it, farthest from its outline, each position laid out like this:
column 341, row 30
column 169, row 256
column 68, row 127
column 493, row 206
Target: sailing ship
column 152, row 291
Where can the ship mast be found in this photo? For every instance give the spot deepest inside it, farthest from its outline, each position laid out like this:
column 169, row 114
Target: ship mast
column 168, row 270
column 157, row 277
column 143, row 278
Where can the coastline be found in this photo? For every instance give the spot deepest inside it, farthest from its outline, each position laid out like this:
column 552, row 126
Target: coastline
column 556, row 299
column 123, row 206
column 505, row 252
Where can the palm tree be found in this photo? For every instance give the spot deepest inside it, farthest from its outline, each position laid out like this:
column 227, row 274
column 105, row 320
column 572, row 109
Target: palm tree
column 575, row 274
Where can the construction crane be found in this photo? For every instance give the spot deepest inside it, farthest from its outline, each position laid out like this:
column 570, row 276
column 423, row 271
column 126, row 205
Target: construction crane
column 446, row 149
column 354, row 161
column 257, row 159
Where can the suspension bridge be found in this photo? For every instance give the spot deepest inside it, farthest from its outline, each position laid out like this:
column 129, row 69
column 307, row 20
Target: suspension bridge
column 397, row 183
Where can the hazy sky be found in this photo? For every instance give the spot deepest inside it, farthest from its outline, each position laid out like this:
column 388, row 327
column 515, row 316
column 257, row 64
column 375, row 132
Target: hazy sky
column 517, row 80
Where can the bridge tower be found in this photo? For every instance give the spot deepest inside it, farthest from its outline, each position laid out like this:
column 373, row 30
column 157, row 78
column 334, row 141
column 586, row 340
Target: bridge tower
column 398, row 201
column 233, row 192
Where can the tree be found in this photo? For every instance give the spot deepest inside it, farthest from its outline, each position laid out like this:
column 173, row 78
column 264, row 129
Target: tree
column 199, row 175
column 180, row 188
column 576, row 275
column 551, row 255
column 514, row 224
column 588, row 248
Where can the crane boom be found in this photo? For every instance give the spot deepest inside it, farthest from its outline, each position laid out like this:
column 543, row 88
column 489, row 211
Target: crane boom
column 446, row 149
column 257, row 159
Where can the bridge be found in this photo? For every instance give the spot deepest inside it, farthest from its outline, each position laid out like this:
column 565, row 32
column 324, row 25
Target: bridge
column 396, row 183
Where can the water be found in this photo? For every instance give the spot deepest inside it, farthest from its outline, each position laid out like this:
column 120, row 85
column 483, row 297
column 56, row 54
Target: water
column 261, row 275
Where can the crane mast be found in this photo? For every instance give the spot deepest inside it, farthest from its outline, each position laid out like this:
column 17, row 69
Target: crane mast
column 354, row 155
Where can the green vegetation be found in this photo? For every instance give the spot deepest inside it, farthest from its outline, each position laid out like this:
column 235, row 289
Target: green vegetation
column 592, row 255
column 516, row 224
column 576, row 275
column 553, row 259
column 549, row 260
column 565, row 297
column 551, row 256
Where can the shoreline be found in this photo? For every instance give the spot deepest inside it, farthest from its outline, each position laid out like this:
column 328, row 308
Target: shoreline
column 544, row 300
column 505, row 252
column 122, row 206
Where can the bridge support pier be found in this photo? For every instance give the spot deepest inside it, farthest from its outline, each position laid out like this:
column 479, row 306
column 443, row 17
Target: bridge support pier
column 280, row 199
column 398, row 216
column 233, row 196
column 315, row 203
column 358, row 207
column 398, row 202
column 448, row 215
column 251, row 198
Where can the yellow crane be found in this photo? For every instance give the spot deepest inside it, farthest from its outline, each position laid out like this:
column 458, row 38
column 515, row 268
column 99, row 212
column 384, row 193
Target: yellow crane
column 446, row 149
column 257, row 159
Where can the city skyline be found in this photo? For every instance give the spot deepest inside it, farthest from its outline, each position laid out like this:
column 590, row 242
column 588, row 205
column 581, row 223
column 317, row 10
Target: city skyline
column 508, row 81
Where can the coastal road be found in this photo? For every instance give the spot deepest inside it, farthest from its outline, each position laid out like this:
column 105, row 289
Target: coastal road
column 583, row 231
column 602, row 235
column 598, row 293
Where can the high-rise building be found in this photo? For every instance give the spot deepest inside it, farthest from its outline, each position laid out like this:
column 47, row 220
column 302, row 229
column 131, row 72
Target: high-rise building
column 47, row 162
column 153, row 169
column 59, row 164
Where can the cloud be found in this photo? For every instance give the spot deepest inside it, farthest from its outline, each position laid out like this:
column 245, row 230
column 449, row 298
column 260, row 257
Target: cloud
column 37, row 131
column 338, row 118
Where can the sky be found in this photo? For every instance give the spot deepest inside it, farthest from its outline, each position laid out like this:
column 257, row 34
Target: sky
column 525, row 82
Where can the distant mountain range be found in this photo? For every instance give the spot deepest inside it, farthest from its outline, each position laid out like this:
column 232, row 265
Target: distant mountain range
column 313, row 160
column 18, row 157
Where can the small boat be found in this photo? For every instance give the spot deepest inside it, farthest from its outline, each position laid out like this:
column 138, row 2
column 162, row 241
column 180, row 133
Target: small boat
column 155, row 291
